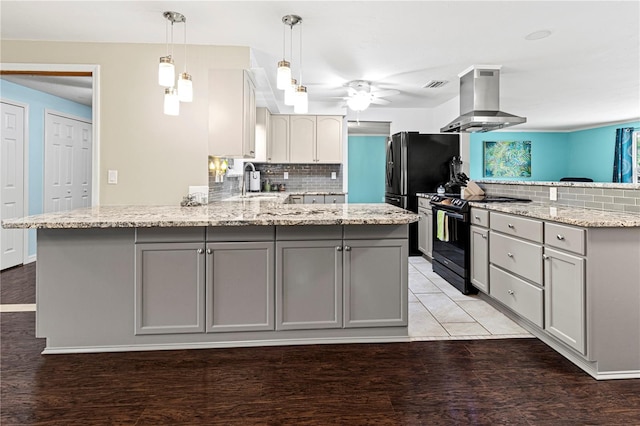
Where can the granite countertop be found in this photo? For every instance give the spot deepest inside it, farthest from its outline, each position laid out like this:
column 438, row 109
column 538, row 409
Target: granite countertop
column 589, row 218
column 240, row 213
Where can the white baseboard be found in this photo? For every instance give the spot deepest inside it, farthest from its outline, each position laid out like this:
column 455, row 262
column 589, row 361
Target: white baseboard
column 29, row 259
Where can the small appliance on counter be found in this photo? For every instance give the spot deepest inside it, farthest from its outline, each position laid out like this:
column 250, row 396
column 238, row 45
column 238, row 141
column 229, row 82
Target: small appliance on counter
column 254, row 181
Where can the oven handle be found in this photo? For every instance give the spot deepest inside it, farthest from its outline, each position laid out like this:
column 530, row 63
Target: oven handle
column 450, row 214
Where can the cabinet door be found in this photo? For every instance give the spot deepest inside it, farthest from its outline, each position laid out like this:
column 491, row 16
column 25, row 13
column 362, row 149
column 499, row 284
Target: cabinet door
column 278, row 143
column 422, row 231
column 480, row 258
column 564, row 286
column 429, row 228
column 308, row 284
column 263, row 119
column 375, row 283
column 329, row 139
column 240, row 286
column 249, row 118
column 169, row 285
column 302, row 141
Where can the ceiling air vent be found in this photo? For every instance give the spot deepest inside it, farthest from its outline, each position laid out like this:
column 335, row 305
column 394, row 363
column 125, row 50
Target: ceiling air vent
column 434, row 84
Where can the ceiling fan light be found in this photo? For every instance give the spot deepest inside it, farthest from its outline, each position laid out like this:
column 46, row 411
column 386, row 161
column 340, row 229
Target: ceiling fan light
column 283, row 78
column 166, row 71
column 290, row 93
column 301, row 105
column 359, row 102
column 185, row 88
column 171, row 102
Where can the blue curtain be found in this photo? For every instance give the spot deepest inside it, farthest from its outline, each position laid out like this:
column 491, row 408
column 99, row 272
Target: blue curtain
column 623, row 156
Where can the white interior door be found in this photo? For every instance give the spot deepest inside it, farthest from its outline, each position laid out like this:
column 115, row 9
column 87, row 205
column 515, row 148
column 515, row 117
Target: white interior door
column 67, row 163
column 12, row 183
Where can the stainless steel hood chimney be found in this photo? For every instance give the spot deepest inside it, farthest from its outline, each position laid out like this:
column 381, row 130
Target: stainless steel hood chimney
column 480, row 102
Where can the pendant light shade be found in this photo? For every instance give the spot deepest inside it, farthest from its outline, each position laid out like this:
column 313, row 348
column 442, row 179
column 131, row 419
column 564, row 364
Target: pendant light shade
column 185, row 88
column 301, row 105
column 290, row 93
column 166, row 72
column 284, row 75
column 171, row 102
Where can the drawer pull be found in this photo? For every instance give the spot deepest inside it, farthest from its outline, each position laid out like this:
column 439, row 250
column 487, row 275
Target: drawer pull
column 510, row 291
column 510, row 254
column 510, row 226
column 560, row 237
column 477, row 217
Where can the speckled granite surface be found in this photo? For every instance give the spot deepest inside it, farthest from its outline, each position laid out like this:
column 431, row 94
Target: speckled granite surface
column 589, row 218
column 239, row 213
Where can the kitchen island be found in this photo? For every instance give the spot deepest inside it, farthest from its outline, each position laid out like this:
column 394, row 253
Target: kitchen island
column 245, row 273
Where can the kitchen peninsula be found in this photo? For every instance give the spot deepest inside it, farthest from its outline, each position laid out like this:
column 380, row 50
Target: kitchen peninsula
column 248, row 272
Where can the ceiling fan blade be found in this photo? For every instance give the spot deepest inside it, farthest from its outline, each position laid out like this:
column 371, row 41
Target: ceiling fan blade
column 383, row 93
column 380, row 101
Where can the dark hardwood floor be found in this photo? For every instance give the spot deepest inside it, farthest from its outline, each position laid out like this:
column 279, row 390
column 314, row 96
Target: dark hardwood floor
column 482, row 382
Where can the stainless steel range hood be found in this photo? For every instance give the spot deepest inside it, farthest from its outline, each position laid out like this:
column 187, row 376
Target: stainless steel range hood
column 480, row 102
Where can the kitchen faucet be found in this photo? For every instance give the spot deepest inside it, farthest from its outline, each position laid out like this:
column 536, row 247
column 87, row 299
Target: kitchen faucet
column 244, row 183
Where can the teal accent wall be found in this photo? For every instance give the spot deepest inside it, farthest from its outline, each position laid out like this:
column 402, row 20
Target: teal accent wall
column 554, row 155
column 38, row 102
column 367, row 156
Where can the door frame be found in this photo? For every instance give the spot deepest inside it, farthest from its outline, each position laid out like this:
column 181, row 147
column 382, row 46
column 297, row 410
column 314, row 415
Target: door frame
column 25, row 175
column 95, row 111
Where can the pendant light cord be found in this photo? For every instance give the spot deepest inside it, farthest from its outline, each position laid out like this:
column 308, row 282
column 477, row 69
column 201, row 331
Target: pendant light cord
column 185, row 45
column 284, row 42
column 300, row 82
column 166, row 35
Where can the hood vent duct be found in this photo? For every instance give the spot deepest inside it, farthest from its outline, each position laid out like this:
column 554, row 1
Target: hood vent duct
column 480, row 103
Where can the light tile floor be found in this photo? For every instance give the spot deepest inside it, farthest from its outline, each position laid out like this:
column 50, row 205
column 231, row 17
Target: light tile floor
column 438, row 311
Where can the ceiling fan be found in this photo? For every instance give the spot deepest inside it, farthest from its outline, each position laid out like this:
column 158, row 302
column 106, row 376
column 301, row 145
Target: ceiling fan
column 362, row 93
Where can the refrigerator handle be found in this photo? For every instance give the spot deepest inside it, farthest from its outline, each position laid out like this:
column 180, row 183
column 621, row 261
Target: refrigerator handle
column 389, row 164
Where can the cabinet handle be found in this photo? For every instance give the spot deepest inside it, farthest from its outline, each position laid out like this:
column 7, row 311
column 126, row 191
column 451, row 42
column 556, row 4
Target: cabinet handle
column 510, row 226
column 339, row 248
column 347, row 248
column 200, row 251
column 510, row 254
column 545, row 257
column 252, row 152
column 477, row 217
column 510, row 291
column 313, row 201
column 209, row 251
column 484, row 236
column 560, row 237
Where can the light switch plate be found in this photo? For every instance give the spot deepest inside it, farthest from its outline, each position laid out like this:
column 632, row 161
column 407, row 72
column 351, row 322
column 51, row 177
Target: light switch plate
column 112, row 177
column 286, row 175
column 553, row 194
column 333, row 175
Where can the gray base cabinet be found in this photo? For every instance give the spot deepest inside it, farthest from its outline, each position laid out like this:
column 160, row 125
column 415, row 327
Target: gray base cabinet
column 425, row 227
column 169, row 288
column 308, row 284
column 240, row 286
column 374, row 273
column 479, row 242
column 564, row 300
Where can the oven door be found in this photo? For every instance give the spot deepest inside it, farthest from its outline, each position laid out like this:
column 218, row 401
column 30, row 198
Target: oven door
column 451, row 240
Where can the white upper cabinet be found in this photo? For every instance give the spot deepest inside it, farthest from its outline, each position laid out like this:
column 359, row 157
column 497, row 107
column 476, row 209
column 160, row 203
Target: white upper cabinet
column 278, row 141
column 305, row 139
column 232, row 114
column 329, row 139
column 302, row 143
column 263, row 128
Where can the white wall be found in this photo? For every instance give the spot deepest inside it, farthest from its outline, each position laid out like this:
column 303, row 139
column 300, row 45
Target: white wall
column 157, row 156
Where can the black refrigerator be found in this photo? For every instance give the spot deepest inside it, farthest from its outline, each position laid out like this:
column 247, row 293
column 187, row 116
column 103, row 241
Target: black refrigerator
column 417, row 163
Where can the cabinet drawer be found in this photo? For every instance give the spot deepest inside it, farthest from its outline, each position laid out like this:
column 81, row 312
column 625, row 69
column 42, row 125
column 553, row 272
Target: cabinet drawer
column 334, row 199
column 424, row 203
column 480, row 217
column 170, row 235
column 314, row 199
column 523, row 298
column 517, row 226
column 564, row 237
column 520, row 257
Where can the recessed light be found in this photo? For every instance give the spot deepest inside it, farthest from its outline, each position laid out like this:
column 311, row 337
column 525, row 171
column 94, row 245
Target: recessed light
column 537, row 35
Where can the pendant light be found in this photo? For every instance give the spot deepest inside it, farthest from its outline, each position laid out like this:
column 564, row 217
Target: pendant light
column 283, row 76
column 185, row 85
column 166, row 69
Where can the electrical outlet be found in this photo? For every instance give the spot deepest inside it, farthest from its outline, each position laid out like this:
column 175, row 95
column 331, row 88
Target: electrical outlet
column 286, row 175
column 112, row 177
column 333, row 175
column 553, row 194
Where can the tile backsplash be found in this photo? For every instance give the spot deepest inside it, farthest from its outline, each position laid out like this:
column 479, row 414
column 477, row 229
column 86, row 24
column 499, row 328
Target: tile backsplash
column 593, row 196
column 302, row 178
